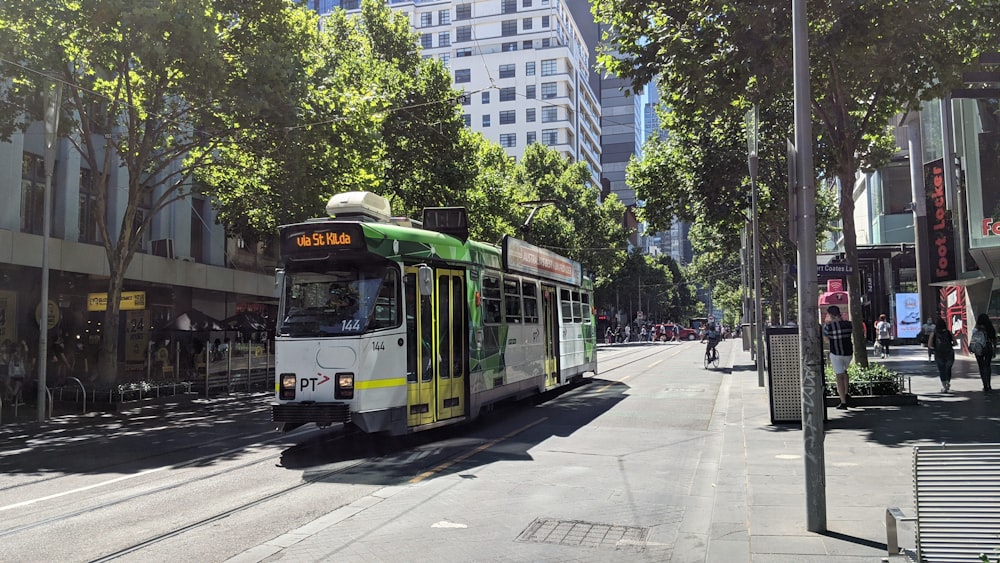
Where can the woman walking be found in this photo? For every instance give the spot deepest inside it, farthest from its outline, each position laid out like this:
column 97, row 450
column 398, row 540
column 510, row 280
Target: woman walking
column 943, row 344
column 983, row 345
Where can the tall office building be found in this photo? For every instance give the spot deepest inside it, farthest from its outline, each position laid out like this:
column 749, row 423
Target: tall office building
column 523, row 64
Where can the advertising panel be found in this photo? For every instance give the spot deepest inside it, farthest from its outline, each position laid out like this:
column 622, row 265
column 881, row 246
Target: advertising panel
column 907, row 315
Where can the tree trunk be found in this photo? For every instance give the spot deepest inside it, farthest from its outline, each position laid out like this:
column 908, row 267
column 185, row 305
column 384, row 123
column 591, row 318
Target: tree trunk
column 108, row 358
column 854, row 289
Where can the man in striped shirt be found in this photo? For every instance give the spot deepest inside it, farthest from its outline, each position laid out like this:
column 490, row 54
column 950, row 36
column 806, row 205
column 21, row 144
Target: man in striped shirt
column 838, row 332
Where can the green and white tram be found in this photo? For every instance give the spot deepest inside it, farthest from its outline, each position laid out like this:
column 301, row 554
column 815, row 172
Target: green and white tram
column 397, row 328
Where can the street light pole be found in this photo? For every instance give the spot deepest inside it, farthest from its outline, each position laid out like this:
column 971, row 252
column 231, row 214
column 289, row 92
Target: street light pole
column 752, row 162
column 810, row 349
column 53, row 99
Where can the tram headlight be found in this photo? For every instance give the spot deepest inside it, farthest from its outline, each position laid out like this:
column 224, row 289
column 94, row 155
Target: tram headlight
column 345, row 386
column 286, row 388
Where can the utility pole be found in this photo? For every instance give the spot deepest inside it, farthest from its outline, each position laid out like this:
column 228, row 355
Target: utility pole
column 927, row 292
column 752, row 161
column 810, row 349
column 53, row 100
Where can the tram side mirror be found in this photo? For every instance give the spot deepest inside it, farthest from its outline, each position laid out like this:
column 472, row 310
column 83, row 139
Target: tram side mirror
column 425, row 280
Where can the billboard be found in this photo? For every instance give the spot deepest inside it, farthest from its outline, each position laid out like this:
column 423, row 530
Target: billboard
column 907, row 315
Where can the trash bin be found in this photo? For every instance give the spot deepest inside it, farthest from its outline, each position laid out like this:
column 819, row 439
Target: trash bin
column 784, row 374
column 747, row 337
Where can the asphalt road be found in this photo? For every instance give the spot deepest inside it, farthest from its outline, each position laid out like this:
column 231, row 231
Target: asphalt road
column 209, row 480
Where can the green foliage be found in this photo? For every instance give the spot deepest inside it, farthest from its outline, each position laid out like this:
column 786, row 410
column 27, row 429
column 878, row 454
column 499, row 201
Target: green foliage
column 146, row 83
column 371, row 115
column 577, row 225
column 656, row 284
column 873, row 379
column 869, row 61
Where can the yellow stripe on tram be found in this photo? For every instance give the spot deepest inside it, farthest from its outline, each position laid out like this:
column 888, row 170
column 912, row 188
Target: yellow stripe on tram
column 380, row 383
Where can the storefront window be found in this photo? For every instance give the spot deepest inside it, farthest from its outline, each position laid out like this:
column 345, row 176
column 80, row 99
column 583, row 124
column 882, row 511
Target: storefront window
column 931, row 136
column 978, row 126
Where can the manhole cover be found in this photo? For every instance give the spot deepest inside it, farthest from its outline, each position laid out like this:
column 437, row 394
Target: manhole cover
column 586, row 534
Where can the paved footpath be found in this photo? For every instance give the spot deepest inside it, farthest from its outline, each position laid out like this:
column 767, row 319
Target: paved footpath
column 746, row 502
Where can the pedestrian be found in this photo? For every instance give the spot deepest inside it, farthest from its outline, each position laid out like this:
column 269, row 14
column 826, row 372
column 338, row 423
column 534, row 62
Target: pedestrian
column 883, row 330
column 609, row 335
column 983, row 345
column 926, row 330
column 943, row 343
column 628, row 332
column 18, row 370
column 642, row 334
column 838, row 332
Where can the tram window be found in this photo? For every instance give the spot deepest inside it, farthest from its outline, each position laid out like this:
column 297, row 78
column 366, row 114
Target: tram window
column 587, row 315
column 512, row 301
column 492, row 314
column 386, row 312
column 445, row 353
column 530, row 292
column 577, row 314
column 566, row 306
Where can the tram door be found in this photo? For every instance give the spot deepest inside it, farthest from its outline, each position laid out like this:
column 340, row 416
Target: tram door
column 450, row 328
column 435, row 358
column 550, row 324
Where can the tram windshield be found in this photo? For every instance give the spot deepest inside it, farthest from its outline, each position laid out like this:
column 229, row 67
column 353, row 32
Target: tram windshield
column 339, row 302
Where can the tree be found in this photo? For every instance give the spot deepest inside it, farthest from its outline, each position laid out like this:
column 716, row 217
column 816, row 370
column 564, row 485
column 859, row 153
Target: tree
column 869, row 60
column 578, row 225
column 374, row 116
column 152, row 89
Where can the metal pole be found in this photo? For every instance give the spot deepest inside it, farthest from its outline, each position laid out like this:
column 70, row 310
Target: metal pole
column 752, row 162
column 758, row 307
column 53, row 99
column 810, row 349
column 921, row 239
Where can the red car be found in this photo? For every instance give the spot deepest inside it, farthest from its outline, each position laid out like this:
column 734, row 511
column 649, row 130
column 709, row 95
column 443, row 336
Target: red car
column 674, row 332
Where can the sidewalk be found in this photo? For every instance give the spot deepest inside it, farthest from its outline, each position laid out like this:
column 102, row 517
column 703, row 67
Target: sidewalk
column 760, row 509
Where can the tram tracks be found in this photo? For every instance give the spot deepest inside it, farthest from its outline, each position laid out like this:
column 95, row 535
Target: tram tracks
column 209, row 517
column 205, row 521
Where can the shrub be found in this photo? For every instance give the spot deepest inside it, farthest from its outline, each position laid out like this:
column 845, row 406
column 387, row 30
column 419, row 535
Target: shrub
column 876, row 379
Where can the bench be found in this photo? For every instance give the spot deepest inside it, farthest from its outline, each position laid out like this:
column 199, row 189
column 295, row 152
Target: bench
column 956, row 493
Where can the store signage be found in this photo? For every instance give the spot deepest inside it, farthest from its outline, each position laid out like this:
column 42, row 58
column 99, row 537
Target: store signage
column 130, row 301
column 834, row 269
column 991, row 227
column 939, row 227
column 52, row 312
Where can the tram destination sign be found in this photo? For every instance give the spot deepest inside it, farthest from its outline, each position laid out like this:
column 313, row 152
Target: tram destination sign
column 313, row 238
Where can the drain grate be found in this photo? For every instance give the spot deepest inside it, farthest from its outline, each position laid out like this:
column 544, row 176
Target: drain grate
column 586, row 534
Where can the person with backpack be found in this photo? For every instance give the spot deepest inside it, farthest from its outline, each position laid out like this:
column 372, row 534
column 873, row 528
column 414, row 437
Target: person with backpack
column 983, row 345
column 926, row 330
column 838, row 332
column 943, row 343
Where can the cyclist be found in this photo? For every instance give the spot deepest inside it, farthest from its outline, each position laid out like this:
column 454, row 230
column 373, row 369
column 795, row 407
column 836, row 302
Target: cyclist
column 712, row 335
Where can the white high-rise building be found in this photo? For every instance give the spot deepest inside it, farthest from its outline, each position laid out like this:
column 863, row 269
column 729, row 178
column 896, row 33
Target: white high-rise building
column 523, row 64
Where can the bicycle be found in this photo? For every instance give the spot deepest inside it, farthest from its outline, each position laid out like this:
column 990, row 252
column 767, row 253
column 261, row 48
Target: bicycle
column 711, row 358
